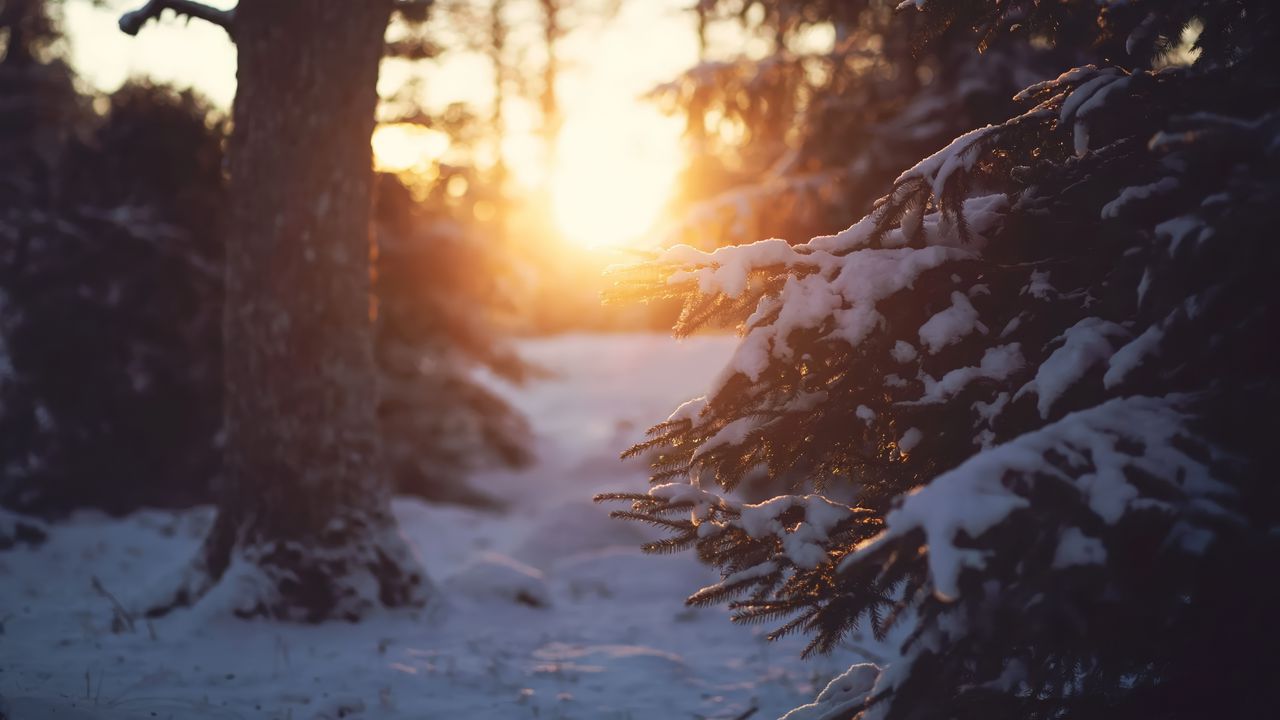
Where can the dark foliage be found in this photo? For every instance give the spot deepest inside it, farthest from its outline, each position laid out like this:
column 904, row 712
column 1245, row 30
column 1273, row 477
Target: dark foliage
column 113, row 397
column 111, row 320
column 1021, row 407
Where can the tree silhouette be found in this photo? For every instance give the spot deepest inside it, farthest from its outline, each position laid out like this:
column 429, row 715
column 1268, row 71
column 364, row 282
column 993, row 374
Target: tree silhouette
column 305, row 507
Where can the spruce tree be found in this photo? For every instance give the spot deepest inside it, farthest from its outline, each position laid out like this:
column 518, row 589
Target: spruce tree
column 1019, row 408
column 804, row 138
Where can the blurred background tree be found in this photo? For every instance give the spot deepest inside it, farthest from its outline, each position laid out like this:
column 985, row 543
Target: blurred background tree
column 113, row 292
column 111, row 391
column 799, row 133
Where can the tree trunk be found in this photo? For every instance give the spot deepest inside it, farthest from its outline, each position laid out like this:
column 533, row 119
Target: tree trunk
column 305, row 511
column 551, row 120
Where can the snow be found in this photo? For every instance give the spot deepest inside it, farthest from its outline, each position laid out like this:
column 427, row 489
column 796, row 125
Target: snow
column 997, row 363
column 612, row 638
column 1076, row 548
column 735, row 433
column 492, row 576
column 1038, row 287
column 951, row 325
column 1084, row 346
column 762, row 520
column 803, row 545
column 1181, row 229
column 834, row 276
column 764, row 569
column 688, row 410
column 1072, row 76
column 849, row 238
column 1087, row 98
column 730, row 267
column 1137, row 193
column 845, row 288
column 1080, row 138
column 842, row 695
column 959, row 155
column 865, row 414
column 1129, row 357
column 910, row 439
column 903, row 352
column 831, row 277
column 1100, row 444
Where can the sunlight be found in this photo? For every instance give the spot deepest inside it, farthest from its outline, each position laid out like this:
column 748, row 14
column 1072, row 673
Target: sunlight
column 615, row 171
column 404, row 147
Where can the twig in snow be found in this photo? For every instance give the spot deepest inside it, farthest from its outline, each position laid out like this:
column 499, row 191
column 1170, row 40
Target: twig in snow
column 122, row 616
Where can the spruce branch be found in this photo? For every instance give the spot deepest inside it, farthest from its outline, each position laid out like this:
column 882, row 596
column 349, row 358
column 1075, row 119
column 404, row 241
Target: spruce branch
column 132, row 21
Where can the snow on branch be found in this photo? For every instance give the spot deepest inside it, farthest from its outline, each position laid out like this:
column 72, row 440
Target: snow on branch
column 1101, row 447
column 132, row 21
column 845, row 695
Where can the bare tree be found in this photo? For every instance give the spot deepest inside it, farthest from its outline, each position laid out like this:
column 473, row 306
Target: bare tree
column 305, row 510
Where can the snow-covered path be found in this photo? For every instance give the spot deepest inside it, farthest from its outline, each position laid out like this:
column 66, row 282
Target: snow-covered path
column 613, row 639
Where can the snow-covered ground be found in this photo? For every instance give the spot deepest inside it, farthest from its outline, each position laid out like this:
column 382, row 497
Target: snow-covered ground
column 613, row 638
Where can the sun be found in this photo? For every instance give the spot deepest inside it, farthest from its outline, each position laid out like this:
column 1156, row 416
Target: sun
column 614, row 171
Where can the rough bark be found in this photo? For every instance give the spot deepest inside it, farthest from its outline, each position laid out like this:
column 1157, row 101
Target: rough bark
column 305, row 510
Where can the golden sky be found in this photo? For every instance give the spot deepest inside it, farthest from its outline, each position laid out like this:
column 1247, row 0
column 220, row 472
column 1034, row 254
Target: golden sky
column 617, row 155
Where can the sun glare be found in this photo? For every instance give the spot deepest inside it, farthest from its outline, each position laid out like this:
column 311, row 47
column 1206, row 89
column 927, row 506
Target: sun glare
column 402, row 147
column 614, row 173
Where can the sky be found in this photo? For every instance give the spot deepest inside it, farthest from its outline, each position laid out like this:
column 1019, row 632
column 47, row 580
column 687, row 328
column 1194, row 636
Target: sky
column 617, row 155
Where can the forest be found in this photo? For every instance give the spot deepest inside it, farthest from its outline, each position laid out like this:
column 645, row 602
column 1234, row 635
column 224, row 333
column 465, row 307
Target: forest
column 630, row 359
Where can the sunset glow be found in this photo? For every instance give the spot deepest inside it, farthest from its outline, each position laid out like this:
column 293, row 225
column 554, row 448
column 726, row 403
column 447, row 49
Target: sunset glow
column 405, row 148
column 617, row 156
column 614, row 174
column 615, row 165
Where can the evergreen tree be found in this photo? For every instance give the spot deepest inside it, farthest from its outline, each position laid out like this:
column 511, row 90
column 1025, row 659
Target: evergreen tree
column 1020, row 406
column 113, row 395
column 40, row 108
column 805, row 137
column 97, row 215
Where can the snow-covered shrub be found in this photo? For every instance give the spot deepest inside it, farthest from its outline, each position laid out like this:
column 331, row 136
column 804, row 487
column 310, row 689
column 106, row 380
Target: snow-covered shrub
column 1021, row 405
column 493, row 577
